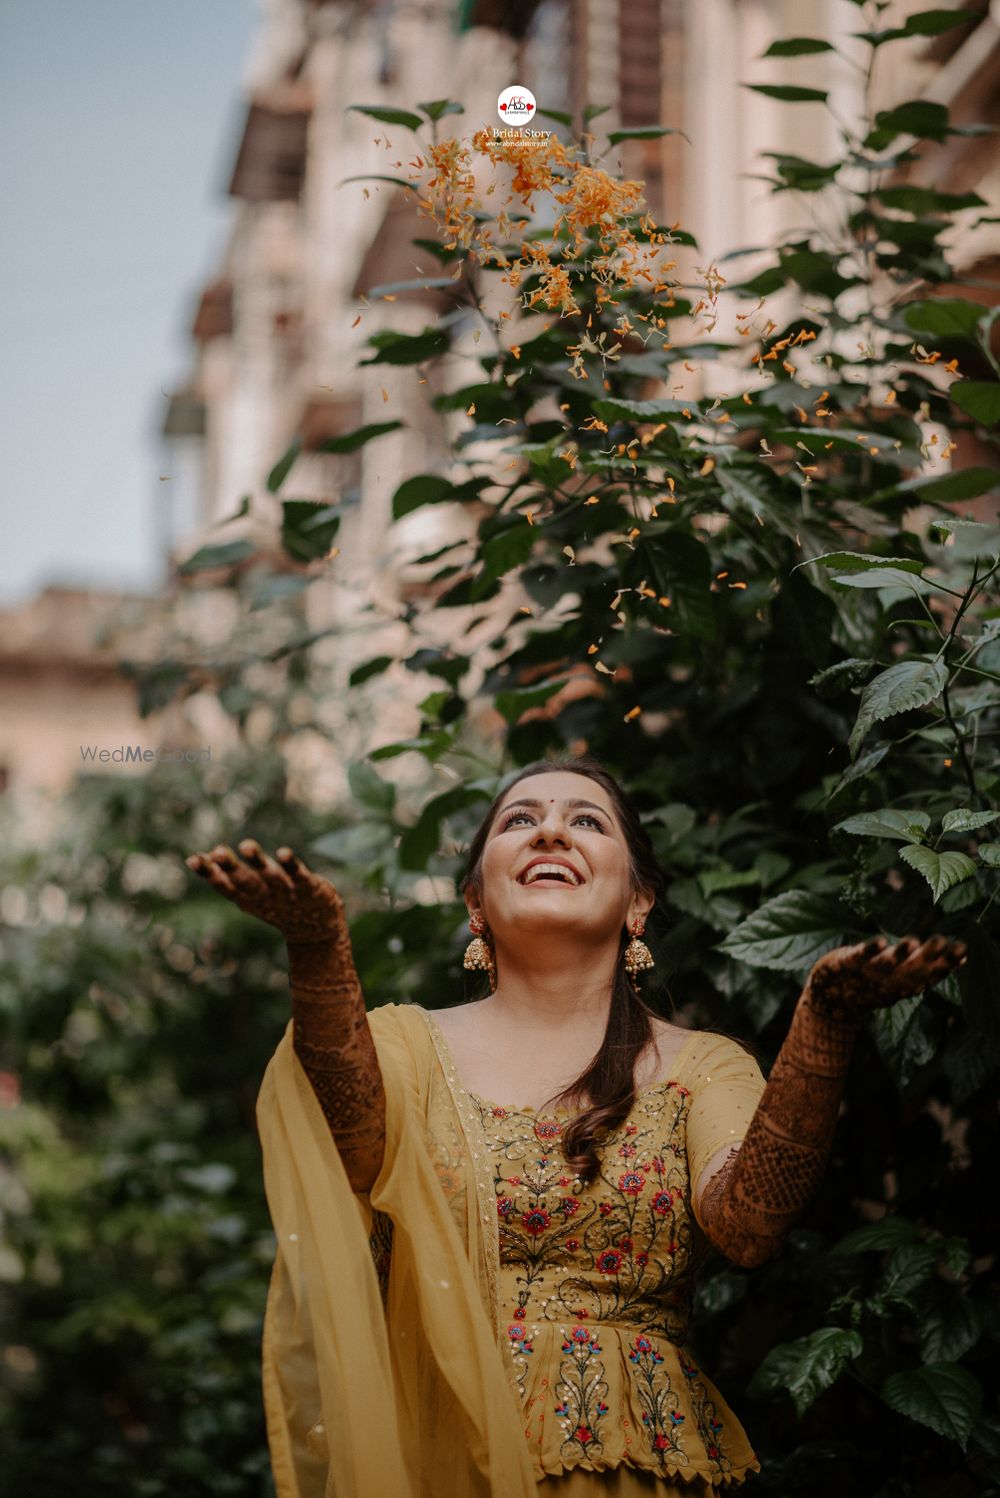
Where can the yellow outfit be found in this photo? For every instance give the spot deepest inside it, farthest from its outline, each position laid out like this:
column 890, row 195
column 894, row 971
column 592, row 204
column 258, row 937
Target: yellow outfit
column 381, row 1371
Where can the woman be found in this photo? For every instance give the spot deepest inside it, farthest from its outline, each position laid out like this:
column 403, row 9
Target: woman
column 542, row 1170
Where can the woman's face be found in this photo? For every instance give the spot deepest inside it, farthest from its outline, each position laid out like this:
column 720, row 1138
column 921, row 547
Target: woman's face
column 568, row 820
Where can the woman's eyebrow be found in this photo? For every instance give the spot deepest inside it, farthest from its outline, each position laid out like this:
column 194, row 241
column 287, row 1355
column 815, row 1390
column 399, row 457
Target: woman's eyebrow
column 526, row 801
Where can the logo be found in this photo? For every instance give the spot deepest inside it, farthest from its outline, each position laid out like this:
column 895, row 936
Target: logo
column 516, row 105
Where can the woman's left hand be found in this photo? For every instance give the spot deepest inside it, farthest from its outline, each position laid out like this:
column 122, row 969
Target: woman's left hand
column 851, row 982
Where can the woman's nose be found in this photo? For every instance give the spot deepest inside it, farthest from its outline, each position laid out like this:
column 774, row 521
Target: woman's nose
column 553, row 824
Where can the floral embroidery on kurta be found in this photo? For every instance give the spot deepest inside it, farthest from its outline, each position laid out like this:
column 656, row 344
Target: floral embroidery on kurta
column 596, row 1284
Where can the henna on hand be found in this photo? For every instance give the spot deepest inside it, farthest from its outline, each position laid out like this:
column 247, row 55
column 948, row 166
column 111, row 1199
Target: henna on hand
column 762, row 1189
column 330, row 1032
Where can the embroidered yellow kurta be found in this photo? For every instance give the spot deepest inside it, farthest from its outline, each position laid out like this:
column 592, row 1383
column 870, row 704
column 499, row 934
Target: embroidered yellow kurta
column 483, row 1320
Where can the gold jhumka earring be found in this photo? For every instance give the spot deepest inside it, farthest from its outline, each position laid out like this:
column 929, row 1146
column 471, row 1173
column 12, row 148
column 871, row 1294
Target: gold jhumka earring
column 638, row 957
column 478, row 956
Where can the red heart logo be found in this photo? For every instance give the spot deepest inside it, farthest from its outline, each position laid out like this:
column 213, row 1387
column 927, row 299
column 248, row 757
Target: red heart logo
column 503, row 107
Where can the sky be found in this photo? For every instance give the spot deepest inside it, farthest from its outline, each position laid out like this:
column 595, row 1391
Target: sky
column 119, row 121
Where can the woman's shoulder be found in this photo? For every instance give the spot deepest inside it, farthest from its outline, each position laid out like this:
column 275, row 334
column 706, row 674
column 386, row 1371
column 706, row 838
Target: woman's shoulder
column 708, row 1055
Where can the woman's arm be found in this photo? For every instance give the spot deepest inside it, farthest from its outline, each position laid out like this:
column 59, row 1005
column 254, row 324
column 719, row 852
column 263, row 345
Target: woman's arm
column 330, row 1031
column 748, row 1205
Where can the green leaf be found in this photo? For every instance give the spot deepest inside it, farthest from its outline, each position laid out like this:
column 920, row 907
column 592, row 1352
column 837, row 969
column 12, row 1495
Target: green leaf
column 791, row 93
column 561, row 116
column 367, row 669
column 884, row 577
column 387, row 115
column 943, row 1396
column 420, row 842
column 907, row 685
column 945, row 317
column 351, row 441
column 902, row 1038
column 990, row 854
column 860, row 561
column 921, row 117
column 653, row 410
column 281, row 469
column 807, row 1366
column 972, row 538
column 406, row 348
column 787, row 933
column 308, row 527
column 907, row 826
column 436, row 109
column 714, row 880
column 797, row 46
column 909, row 1268
column 513, row 705
column 413, row 283
column 924, row 200
column 889, row 1232
column 422, row 489
column 941, row 870
column 369, row 789
column 950, row 1330
column 979, row 399
column 642, row 132
column 359, row 843
column 510, row 549
column 934, row 22
column 963, row 819
column 226, row 554
column 965, row 483
column 844, row 674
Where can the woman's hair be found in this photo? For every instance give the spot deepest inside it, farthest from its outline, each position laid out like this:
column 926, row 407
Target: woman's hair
column 609, row 1080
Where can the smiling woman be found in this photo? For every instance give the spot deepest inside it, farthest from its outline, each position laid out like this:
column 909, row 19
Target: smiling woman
column 490, row 1220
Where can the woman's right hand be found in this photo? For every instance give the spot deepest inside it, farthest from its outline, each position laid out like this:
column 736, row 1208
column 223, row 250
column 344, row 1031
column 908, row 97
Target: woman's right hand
column 281, row 890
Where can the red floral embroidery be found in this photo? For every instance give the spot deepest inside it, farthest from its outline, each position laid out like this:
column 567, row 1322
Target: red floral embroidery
column 631, row 1183
column 609, row 1262
column 535, row 1220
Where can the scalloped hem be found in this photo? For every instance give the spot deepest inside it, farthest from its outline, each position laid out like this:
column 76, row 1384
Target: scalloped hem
column 676, row 1476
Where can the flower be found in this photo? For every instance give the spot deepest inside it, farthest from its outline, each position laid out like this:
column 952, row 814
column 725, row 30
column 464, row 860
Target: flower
column 643, row 1344
column 605, row 1208
column 580, row 1334
column 547, row 1129
column 625, row 1244
column 499, row 1112
column 642, row 1260
column 609, row 1262
column 660, row 1442
column 572, row 1244
column 505, row 1207
column 513, row 1180
column 631, row 1183
column 662, row 1202
column 570, row 1205
column 535, row 1220
column 516, row 1333
column 520, row 1313
column 582, row 1434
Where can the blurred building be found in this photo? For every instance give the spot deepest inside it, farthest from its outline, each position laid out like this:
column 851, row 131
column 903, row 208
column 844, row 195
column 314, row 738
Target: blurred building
column 64, row 695
column 279, row 329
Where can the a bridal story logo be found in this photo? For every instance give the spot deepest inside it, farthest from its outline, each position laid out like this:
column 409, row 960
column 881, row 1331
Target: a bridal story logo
column 516, row 105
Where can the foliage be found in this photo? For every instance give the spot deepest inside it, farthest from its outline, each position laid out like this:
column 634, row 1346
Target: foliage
column 712, row 519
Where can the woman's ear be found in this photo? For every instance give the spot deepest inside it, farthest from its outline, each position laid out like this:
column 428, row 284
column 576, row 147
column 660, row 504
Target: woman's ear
column 642, row 904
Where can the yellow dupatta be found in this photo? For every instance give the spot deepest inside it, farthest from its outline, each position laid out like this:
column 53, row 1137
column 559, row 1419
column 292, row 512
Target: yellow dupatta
column 406, row 1399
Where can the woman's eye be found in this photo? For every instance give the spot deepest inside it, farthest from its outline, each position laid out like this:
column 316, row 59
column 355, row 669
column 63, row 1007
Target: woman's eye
column 520, row 816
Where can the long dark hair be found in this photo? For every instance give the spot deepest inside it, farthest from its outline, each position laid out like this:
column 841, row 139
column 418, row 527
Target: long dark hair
column 608, row 1083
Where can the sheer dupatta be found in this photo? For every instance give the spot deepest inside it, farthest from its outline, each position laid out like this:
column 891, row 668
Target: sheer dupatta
column 395, row 1390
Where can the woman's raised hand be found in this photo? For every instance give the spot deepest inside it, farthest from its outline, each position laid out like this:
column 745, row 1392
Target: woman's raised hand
column 280, row 890
column 850, row 982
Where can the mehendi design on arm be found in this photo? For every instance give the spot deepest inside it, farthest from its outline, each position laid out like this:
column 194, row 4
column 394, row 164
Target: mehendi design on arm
column 332, row 1039
column 330, row 1032
column 759, row 1193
